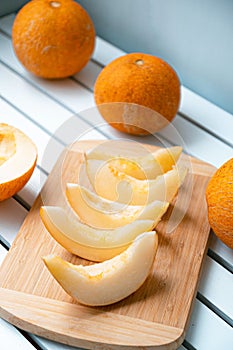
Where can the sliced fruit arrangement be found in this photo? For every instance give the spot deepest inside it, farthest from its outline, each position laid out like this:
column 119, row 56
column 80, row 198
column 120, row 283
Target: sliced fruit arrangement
column 101, row 284
column 18, row 156
column 116, row 223
column 104, row 214
column 126, row 189
column 148, row 166
column 87, row 242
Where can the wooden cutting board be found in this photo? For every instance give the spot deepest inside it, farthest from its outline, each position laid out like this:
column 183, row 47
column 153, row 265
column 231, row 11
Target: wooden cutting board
column 154, row 317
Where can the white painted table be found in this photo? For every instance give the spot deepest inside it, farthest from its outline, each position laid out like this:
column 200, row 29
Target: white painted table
column 39, row 107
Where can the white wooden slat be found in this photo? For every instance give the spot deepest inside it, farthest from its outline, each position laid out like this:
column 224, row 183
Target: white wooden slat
column 88, row 75
column 3, row 253
column 91, row 135
column 194, row 141
column 105, row 52
column 221, row 249
column 207, row 330
column 198, row 143
column 66, row 91
column 215, row 292
column 207, row 114
column 74, row 98
column 38, row 106
column 41, row 109
column 46, row 344
column 70, row 94
column 10, row 337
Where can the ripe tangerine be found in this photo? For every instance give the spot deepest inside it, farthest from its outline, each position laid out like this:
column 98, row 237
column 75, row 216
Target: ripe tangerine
column 135, row 80
column 53, row 38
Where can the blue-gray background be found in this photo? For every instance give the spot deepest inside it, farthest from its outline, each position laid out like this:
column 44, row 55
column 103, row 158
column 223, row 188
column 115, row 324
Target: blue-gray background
column 194, row 36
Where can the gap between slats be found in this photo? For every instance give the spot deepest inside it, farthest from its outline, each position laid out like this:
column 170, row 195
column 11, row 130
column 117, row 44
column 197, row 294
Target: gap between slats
column 213, row 308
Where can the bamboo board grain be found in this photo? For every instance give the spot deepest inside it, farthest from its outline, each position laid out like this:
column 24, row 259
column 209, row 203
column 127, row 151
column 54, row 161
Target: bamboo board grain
column 154, row 317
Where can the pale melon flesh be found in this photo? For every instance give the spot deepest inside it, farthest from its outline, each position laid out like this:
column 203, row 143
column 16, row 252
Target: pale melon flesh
column 147, row 166
column 101, row 213
column 87, row 242
column 101, row 283
column 126, row 189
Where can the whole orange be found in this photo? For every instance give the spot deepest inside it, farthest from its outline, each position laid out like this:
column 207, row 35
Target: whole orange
column 138, row 79
column 53, row 39
column 219, row 196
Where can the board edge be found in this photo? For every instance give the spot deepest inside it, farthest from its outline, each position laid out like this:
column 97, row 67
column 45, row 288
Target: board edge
column 17, row 308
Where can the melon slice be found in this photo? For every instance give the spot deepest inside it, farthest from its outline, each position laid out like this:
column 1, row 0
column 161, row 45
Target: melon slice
column 104, row 214
column 87, row 242
column 148, row 166
column 110, row 281
column 110, row 183
column 18, row 156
